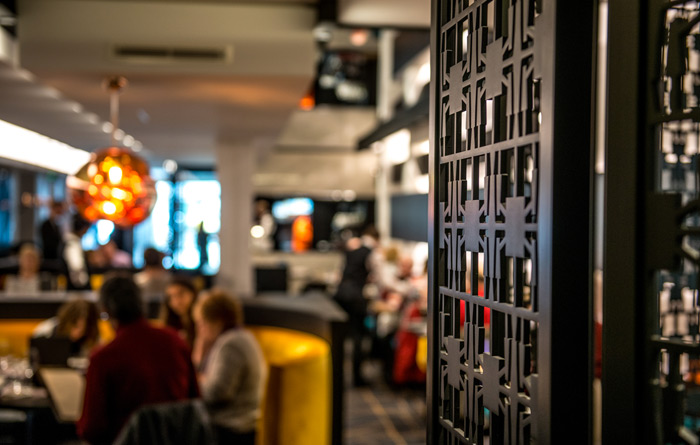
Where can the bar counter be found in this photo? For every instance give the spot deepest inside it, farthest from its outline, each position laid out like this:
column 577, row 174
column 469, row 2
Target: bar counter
column 296, row 334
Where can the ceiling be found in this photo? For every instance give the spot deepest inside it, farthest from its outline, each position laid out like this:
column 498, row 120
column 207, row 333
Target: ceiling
column 382, row 13
column 183, row 109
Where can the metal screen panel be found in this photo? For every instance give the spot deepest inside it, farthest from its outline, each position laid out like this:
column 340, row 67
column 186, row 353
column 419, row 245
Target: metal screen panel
column 657, row 349
column 494, row 238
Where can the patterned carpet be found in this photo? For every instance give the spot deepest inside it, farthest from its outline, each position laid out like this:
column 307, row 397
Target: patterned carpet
column 378, row 415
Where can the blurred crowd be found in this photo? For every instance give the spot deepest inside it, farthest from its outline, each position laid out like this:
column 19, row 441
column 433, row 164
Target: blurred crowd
column 381, row 288
column 195, row 361
column 57, row 261
column 385, row 296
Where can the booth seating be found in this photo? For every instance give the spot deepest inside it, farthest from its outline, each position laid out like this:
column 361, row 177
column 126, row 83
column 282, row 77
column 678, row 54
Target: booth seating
column 297, row 403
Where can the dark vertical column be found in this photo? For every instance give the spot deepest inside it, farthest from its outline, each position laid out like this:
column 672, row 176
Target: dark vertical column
column 570, row 302
column 433, row 363
column 338, row 330
column 26, row 190
column 622, row 386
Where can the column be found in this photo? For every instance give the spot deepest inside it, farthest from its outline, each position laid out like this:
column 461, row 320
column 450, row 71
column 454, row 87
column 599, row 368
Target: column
column 235, row 167
column 385, row 79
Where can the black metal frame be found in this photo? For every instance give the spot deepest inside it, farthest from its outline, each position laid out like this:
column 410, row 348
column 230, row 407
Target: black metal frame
column 622, row 387
column 562, row 394
column 643, row 400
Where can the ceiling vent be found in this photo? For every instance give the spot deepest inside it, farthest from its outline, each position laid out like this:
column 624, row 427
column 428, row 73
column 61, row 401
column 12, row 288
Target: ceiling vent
column 168, row 54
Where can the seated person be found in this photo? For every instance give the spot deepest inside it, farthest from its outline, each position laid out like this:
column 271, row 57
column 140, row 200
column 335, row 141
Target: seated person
column 28, row 279
column 232, row 367
column 153, row 278
column 116, row 257
column 176, row 309
column 77, row 320
column 142, row 365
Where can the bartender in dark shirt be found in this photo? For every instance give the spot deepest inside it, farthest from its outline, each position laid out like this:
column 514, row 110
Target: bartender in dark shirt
column 51, row 234
column 142, row 365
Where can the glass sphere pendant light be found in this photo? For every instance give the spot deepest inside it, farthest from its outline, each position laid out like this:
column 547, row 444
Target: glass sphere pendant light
column 115, row 184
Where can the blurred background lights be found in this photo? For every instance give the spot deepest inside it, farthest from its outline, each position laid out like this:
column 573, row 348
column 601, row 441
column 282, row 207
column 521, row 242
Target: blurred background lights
column 257, row 231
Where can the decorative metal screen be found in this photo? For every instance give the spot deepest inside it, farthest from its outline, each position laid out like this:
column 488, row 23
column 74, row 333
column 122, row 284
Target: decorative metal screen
column 652, row 356
column 675, row 124
column 487, row 184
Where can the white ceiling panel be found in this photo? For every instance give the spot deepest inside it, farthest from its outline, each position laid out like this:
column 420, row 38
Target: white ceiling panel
column 396, row 13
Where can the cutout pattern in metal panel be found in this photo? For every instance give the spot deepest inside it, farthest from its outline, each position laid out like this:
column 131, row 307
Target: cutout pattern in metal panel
column 674, row 213
column 487, row 179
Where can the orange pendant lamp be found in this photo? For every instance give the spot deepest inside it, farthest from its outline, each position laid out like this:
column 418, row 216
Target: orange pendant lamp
column 115, row 184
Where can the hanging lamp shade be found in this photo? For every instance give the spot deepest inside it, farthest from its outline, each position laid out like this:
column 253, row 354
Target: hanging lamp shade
column 114, row 185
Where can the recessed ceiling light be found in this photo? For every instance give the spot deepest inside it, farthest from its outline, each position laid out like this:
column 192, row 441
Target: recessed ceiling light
column 26, row 75
column 143, row 116
column 398, row 146
column 170, row 166
column 40, row 150
column 53, row 92
column 323, row 33
column 337, row 195
column 359, row 37
column 422, row 184
column 423, row 148
column 137, row 146
column 423, row 75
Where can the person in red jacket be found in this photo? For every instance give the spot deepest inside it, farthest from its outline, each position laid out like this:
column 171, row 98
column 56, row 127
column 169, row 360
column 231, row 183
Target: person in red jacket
column 142, row 365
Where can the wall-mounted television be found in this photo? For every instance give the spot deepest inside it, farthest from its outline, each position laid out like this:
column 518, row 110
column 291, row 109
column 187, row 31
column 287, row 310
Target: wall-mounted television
column 286, row 210
column 409, row 217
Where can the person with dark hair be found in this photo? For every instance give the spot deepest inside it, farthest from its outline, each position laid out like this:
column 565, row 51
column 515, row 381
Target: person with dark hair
column 142, row 365
column 350, row 296
column 114, row 256
column 76, row 320
column 51, row 233
column 176, row 309
column 28, row 279
column 74, row 255
column 154, row 277
column 233, row 370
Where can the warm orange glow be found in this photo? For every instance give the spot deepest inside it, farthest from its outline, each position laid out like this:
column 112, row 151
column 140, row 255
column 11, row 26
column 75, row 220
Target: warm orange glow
column 115, row 175
column 118, row 193
column 302, row 234
column 359, row 37
column 114, row 185
column 307, row 102
column 91, row 214
column 108, row 208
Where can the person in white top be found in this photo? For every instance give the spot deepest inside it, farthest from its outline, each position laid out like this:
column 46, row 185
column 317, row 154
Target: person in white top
column 232, row 368
column 74, row 256
column 263, row 240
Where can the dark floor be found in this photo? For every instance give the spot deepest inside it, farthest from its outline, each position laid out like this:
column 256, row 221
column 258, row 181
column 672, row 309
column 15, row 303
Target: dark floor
column 377, row 414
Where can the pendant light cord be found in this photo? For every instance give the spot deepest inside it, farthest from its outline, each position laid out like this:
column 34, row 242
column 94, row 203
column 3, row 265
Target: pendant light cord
column 115, row 85
column 114, row 113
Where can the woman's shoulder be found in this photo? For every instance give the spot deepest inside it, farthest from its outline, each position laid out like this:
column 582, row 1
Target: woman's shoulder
column 236, row 339
column 232, row 336
column 46, row 328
